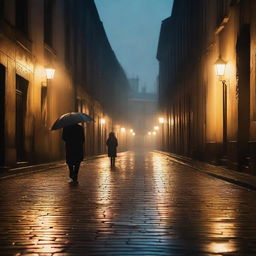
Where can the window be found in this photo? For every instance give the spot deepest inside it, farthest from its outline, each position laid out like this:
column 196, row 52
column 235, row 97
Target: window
column 48, row 21
column 22, row 15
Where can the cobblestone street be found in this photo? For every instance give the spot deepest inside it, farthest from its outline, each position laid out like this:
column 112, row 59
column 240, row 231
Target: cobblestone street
column 147, row 205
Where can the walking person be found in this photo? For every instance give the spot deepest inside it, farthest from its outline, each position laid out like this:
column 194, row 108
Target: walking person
column 73, row 136
column 112, row 144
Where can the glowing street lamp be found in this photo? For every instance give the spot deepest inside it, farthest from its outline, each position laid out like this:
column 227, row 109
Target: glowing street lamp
column 154, row 133
column 161, row 120
column 156, row 128
column 131, row 131
column 122, row 129
column 50, row 72
column 220, row 65
column 102, row 121
column 149, row 133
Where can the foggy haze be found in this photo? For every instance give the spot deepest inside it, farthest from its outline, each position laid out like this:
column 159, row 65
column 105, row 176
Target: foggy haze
column 133, row 28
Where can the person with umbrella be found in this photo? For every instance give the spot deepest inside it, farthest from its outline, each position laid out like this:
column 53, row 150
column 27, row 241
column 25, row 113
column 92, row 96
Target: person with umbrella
column 73, row 135
column 112, row 144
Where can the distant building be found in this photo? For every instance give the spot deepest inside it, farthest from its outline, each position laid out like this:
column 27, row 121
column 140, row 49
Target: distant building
column 209, row 117
column 142, row 108
column 69, row 37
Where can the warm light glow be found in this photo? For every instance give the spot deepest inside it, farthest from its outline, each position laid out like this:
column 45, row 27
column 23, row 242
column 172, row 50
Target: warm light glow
column 50, row 73
column 122, row 129
column 161, row 120
column 102, row 121
column 156, row 128
column 149, row 133
column 220, row 65
column 131, row 131
column 154, row 133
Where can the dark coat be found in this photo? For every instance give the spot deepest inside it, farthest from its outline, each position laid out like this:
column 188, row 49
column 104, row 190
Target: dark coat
column 74, row 139
column 112, row 145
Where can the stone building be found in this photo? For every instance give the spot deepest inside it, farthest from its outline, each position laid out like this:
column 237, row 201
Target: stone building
column 209, row 116
column 142, row 110
column 69, row 37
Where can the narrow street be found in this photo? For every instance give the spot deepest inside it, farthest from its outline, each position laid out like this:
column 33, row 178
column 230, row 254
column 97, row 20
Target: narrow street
column 147, row 205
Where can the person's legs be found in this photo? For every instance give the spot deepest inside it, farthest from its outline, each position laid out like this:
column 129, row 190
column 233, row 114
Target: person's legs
column 111, row 161
column 76, row 169
column 71, row 170
column 114, row 159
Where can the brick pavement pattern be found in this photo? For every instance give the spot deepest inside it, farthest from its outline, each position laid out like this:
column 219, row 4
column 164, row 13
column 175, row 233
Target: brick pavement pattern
column 147, row 205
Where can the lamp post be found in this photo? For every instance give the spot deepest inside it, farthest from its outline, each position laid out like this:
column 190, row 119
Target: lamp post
column 220, row 65
column 49, row 73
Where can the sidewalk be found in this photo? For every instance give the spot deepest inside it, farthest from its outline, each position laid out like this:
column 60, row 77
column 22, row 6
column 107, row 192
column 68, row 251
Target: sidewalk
column 28, row 169
column 241, row 179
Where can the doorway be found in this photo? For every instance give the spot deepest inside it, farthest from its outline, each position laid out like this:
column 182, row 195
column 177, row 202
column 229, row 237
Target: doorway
column 21, row 109
column 2, row 115
column 243, row 69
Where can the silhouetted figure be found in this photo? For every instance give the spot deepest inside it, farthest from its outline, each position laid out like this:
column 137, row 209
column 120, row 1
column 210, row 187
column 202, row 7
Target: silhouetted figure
column 73, row 136
column 112, row 145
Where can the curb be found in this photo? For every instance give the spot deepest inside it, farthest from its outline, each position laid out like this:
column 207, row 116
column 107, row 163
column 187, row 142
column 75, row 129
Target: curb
column 209, row 170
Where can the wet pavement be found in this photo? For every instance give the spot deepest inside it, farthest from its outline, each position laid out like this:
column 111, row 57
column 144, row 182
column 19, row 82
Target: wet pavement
column 147, row 205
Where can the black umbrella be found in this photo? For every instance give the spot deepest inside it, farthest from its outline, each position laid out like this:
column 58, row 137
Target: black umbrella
column 70, row 119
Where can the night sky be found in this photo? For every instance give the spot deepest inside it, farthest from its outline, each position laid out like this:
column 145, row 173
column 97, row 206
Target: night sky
column 133, row 28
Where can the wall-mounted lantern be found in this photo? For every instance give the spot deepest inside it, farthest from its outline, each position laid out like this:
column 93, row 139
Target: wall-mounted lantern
column 220, row 65
column 50, row 72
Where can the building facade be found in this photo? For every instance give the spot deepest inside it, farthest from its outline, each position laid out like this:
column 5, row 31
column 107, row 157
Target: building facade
column 142, row 110
column 207, row 116
column 69, row 37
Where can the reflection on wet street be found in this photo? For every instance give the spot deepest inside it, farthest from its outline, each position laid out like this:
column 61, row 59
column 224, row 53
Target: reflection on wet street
column 147, row 205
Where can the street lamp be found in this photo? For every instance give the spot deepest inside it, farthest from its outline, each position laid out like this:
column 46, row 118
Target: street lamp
column 50, row 72
column 161, row 120
column 156, row 128
column 220, row 65
column 122, row 129
column 102, row 121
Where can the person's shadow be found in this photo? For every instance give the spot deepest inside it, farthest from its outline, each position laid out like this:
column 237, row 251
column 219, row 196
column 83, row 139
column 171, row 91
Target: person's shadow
column 73, row 184
column 114, row 168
